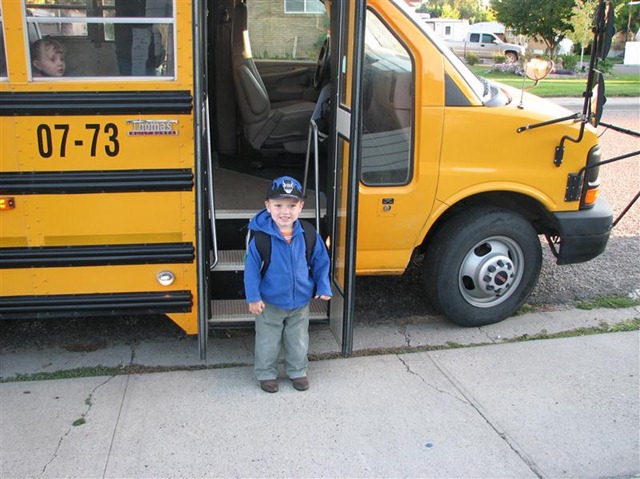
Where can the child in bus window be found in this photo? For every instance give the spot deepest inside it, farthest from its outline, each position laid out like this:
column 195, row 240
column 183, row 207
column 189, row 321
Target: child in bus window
column 47, row 58
column 280, row 287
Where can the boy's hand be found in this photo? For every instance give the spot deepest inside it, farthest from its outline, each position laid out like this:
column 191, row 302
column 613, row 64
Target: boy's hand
column 324, row 297
column 256, row 308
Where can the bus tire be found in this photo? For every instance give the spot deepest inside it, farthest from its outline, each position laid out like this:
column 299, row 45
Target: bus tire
column 482, row 265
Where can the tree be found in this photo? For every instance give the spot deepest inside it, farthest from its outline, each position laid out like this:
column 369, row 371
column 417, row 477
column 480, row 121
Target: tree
column 627, row 18
column 547, row 20
column 582, row 23
column 472, row 10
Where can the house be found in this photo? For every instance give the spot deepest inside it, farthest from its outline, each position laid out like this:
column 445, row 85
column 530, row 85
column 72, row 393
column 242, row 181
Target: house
column 448, row 28
column 295, row 29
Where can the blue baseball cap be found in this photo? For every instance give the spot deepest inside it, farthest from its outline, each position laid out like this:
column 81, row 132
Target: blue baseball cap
column 285, row 187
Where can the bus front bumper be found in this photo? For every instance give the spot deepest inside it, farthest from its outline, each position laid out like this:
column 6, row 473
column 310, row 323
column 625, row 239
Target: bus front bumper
column 584, row 234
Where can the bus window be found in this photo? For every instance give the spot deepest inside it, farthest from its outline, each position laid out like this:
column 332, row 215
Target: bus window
column 104, row 38
column 387, row 107
column 3, row 56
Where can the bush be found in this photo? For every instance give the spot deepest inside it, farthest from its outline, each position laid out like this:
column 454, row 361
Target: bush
column 472, row 59
column 569, row 62
column 605, row 66
column 499, row 58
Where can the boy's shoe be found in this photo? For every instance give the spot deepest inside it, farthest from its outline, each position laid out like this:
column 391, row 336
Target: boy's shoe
column 301, row 384
column 269, row 385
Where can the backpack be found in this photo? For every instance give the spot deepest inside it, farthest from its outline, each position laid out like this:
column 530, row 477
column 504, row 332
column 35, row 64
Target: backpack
column 263, row 244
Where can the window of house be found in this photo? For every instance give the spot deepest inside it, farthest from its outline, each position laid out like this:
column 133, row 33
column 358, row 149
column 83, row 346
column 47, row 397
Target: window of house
column 276, row 34
column 447, row 31
column 388, row 107
column 303, row 6
column 100, row 38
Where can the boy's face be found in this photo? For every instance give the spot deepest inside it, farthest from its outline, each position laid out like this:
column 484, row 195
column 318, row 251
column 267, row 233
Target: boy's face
column 50, row 62
column 284, row 211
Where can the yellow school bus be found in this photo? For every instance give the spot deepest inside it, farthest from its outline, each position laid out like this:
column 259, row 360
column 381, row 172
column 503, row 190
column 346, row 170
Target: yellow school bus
column 128, row 174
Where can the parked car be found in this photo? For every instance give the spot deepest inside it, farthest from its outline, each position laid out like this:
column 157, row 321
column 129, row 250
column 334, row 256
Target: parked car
column 486, row 45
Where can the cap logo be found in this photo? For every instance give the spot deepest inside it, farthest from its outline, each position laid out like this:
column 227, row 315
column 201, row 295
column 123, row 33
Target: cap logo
column 283, row 187
column 287, row 186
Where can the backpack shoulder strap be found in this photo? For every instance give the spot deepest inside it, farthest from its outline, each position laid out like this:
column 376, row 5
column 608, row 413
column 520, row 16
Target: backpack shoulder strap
column 310, row 237
column 263, row 245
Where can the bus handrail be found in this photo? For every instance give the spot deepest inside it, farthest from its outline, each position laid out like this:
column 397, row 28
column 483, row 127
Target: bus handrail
column 211, row 195
column 313, row 133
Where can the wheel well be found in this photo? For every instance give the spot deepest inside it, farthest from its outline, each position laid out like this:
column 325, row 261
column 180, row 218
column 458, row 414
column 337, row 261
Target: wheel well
column 525, row 206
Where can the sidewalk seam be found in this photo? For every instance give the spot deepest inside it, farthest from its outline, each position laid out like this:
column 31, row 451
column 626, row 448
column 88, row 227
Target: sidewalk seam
column 493, row 424
column 115, row 426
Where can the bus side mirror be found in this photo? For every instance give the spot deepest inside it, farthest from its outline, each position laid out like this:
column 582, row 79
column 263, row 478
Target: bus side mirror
column 538, row 68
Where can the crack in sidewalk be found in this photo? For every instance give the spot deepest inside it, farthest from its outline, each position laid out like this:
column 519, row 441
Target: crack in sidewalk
column 486, row 333
column 407, row 336
column 78, row 422
column 422, row 378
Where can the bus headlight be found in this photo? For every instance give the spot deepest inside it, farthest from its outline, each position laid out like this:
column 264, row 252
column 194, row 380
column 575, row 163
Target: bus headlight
column 591, row 185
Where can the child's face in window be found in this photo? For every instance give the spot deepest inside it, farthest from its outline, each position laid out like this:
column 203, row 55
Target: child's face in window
column 284, row 211
column 50, row 62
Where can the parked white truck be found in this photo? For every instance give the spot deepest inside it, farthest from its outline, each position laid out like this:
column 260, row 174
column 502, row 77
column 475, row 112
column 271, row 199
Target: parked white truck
column 485, row 45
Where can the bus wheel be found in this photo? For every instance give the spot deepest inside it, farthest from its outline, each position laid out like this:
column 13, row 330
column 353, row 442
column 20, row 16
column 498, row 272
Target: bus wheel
column 482, row 265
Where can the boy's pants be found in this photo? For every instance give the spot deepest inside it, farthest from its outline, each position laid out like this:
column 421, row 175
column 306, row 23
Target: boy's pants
column 277, row 327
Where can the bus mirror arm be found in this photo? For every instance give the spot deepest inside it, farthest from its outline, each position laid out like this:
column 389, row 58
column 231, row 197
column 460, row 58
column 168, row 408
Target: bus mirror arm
column 559, row 154
column 524, row 128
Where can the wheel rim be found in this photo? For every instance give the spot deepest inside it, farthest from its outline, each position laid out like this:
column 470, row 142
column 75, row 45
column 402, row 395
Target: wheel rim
column 491, row 271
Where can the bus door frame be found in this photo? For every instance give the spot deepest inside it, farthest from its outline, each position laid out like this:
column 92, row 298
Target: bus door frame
column 202, row 150
column 348, row 28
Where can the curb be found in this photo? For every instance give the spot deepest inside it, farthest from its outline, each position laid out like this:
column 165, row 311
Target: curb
column 412, row 334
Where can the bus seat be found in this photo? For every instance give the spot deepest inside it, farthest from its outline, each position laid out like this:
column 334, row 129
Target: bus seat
column 265, row 124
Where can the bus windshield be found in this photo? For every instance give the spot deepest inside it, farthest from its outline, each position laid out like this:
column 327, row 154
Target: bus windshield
column 474, row 82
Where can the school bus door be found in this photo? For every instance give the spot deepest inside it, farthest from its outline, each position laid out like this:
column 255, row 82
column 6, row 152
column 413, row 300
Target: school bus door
column 347, row 25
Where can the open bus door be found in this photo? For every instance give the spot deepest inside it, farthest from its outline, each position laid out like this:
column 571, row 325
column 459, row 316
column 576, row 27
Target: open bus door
column 231, row 212
column 347, row 21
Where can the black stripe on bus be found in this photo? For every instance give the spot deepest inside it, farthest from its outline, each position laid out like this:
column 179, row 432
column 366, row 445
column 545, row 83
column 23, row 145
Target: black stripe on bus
column 96, row 255
column 96, row 103
column 98, row 304
column 116, row 181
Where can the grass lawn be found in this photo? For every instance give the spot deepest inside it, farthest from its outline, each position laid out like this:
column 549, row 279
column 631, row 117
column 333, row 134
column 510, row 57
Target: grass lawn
column 572, row 86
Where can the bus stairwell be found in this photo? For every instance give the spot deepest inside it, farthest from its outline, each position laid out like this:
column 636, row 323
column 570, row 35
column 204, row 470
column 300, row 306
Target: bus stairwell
column 235, row 198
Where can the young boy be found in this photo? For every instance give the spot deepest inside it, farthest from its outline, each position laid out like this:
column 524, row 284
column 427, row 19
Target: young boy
column 281, row 297
column 47, row 58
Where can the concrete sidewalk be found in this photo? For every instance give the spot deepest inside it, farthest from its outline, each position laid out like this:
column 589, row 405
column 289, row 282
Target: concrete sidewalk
column 549, row 408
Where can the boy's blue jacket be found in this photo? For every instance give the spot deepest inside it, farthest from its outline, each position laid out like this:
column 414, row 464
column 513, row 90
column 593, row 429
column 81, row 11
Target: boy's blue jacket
column 286, row 283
